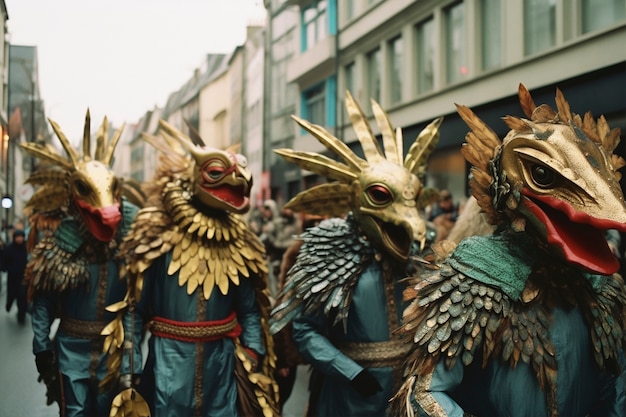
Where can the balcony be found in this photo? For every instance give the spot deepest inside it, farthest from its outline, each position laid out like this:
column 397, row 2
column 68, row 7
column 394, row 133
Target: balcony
column 314, row 64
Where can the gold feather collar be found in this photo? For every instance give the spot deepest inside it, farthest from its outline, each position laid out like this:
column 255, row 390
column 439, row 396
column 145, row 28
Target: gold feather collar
column 207, row 249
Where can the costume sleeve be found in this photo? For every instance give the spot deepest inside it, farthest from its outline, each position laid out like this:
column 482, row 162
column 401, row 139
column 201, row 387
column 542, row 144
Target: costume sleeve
column 249, row 316
column 431, row 396
column 319, row 351
column 42, row 318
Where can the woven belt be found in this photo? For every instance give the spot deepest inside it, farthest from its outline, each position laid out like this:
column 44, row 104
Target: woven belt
column 81, row 328
column 196, row 332
column 376, row 354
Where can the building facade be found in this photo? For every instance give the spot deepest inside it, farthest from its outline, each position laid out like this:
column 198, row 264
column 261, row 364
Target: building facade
column 419, row 58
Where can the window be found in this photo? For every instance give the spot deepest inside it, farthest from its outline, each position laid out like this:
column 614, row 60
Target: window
column 314, row 101
column 373, row 74
column 425, row 56
column 349, row 77
column 314, row 23
column 597, row 14
column 539, row 25
column 456, row 49
column 395, row 61
column 350, row 10
column 490, row 33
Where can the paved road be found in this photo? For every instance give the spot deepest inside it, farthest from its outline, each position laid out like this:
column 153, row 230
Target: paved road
column 20, row 393
column 22, row 396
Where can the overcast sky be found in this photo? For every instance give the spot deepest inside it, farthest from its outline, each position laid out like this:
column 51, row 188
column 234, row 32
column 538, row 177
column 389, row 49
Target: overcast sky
column 120, row 58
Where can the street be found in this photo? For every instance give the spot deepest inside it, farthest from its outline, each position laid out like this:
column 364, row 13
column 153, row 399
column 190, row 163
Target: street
column 22, row 396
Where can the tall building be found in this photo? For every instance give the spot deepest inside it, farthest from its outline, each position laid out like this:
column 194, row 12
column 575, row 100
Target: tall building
column 419, row 58
column 27, row 122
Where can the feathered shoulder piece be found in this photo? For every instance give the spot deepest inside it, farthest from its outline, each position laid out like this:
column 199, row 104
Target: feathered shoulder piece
column 328, row 266
column 210, row 247
column 60, row 260
column 490, row 315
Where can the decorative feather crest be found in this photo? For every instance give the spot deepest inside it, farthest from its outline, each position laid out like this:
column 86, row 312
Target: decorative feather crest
column 336, row 199
column 53, row 194
column 483, row 145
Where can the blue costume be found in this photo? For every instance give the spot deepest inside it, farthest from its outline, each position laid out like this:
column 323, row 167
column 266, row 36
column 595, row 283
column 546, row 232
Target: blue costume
column 528, row 321
column 78, row 219
column 343, row 294
column 78, row 345
column 197, row 281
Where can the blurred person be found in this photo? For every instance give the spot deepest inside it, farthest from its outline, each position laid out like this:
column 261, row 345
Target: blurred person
column 444, row 214
column 287, row 356
column 270, row 217
column 13, row 262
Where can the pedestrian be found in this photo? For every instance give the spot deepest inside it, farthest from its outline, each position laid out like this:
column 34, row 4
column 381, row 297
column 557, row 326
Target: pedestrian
column 197, row 280
column 343, row 294
column 527, row 320
column 13, row 262
column 287, row 356
column 444, row 214
column 73, row 271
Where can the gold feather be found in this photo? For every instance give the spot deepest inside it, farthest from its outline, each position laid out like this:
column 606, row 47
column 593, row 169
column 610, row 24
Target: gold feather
column 371, row 150
column 319, row 164
column 331, row 199
column 562, row 105
column 415, row 160
column 392, row 150
column 332, row 143
column 526, row 100
column 46, row 155
column 74, row 158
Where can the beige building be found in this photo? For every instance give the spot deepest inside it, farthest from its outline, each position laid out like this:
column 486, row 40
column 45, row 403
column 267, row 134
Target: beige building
column 419, row 58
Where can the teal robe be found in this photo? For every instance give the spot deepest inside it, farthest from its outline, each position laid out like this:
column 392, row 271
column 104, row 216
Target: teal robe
column 316, row 339
column 185, row 378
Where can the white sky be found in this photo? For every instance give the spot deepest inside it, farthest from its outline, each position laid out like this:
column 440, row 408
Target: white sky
column 120, row 58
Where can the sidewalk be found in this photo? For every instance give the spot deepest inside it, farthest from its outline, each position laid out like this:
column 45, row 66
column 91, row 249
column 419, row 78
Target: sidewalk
column 21, row 394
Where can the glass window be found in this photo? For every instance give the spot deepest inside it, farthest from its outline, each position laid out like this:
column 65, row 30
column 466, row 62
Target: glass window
column 597, row 14
column 539, row 25
column 314, row 100
column 349, row 10
column 491, row 33
column 349, row 77
column 395, row 52
column 314, row 23
column 373, row 74
column 425, row 56
column 456, row 49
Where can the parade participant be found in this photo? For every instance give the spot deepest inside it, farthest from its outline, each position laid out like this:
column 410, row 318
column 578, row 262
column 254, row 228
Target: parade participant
column 72, row 273
column 197, row 279
column 13, row 261
column 343, row 293
column 529, row 320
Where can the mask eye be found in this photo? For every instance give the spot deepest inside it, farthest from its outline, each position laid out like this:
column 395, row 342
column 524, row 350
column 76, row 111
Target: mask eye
column 82, row 188
column 379, row 195
column 542, row 176
column 213, row 170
